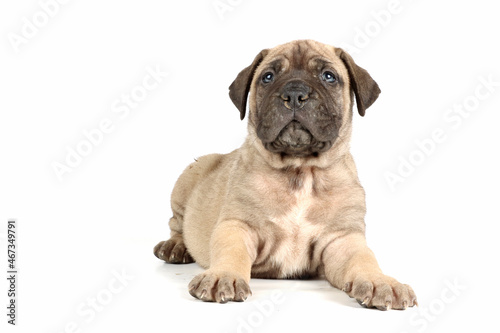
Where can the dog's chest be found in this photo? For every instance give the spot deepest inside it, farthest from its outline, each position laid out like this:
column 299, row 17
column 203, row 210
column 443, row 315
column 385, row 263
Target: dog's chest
column 292, row 255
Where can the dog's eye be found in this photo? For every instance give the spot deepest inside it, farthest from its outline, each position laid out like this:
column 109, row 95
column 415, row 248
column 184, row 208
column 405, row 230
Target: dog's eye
column 329, row 77
column 267, row 77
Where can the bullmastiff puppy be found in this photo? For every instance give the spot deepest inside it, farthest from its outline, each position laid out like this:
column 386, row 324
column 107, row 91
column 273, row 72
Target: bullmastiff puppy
column 288, row 203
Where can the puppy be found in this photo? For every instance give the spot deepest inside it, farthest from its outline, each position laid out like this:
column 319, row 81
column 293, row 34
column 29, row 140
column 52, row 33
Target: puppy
column 288, row 202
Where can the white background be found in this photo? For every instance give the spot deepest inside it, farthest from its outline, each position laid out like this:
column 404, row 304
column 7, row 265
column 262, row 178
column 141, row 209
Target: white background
column 437, row 228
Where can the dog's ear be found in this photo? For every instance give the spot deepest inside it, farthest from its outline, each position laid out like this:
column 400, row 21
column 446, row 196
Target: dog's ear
column 365, row 89
column 238, row 90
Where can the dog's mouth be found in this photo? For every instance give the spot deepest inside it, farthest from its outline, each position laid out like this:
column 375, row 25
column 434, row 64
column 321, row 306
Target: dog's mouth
column 296, row 140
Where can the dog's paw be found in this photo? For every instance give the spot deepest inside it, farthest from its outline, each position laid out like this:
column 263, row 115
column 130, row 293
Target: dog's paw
column 381, row 292
column 173, row 251
column 220, row 287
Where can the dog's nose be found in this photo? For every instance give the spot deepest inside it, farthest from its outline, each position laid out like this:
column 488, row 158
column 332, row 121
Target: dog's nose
column 295, row 95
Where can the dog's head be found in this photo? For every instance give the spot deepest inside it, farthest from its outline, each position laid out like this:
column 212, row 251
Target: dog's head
column 301, row 96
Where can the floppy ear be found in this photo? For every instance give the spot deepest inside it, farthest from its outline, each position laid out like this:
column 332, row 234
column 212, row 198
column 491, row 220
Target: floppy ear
column 238, row 90
column 366, row 90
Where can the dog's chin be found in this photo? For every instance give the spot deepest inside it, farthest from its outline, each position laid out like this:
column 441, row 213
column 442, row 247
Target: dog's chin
column 295, row 140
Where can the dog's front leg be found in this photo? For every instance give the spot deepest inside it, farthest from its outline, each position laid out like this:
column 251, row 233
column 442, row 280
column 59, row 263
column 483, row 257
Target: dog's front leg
column 351, row 266
column 232, row 252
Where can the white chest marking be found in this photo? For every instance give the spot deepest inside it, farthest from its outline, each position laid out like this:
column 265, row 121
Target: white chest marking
column 293, row 253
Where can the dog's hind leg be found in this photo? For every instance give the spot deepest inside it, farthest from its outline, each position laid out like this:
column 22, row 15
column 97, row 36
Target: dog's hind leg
column 173, row 250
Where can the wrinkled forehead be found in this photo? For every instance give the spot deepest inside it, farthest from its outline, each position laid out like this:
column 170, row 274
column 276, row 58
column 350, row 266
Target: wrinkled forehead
column 303, row 55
